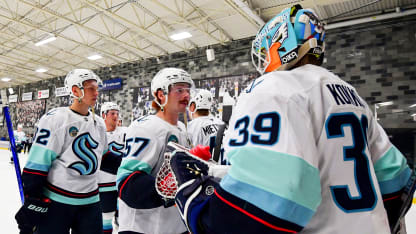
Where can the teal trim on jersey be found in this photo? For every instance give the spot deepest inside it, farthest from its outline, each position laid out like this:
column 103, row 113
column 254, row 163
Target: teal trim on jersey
column 40, row 158
column 107, row 189
column 390, row 165
column 284, row 175
column 394, row 185
column 69, row 200
column 269, row 202
column 128, row 166
column 107, row 224
column 38, row 167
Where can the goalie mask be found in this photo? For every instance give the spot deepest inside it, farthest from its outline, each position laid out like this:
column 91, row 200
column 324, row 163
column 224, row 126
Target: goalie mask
column 109, row 106
column 167, row 77
column 77, row 77
column 202, row 99
column 286, row 38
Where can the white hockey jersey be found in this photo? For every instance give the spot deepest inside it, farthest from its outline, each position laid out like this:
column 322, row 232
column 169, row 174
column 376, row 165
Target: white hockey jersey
column 68, row 147
column 203, row 130
column 146, row 142
column 19, row 137
column 304, row 147
column 115, row 139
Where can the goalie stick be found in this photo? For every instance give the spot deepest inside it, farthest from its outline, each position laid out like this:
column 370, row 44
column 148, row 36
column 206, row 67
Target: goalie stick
column 407, row 198
column 9, row 124
column 218, row 142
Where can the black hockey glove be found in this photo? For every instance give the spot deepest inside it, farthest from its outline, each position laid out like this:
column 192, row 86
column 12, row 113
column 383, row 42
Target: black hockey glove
column 110, row 162
column 195, row 187
column 31, row 213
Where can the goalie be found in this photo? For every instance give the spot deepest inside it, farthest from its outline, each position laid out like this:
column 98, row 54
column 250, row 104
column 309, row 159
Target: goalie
column 306, row 153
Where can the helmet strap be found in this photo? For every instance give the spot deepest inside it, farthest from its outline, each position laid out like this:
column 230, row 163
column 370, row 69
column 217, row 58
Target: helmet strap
column 303, row 50
column 80, row 98
column 162, row 106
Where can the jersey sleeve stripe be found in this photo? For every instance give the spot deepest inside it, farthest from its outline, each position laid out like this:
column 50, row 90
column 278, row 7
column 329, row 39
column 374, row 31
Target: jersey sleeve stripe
column 129, row 165
column 271, row 203
column 390, row 164
column 40, row 158
column 392, row 171
column 252, row 216
column 35, row 172
column 396, row 184
column 287, row 176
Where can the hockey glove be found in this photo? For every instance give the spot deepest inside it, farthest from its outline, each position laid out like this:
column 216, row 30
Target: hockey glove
column 110, row 162
column 201, row 151
column 195, row 187
column 31, row 213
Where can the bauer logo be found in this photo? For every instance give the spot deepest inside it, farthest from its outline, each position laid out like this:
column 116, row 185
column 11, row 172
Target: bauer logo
column 37, row 208
column 73, row 131
column 291, row 56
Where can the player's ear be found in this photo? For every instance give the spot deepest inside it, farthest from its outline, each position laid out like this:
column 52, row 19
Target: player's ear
column 160, row 95
column 192, row 107
column 76, row 91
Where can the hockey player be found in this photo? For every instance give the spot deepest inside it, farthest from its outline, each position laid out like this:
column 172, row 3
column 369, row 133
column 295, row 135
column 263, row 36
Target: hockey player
column 141, row 209
column 110, row 112
column 306, row 153
column 20, row 138
column 60, row 177
column 203, row 128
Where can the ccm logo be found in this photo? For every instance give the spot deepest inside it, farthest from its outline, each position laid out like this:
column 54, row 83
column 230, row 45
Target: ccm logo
column 289, row 57
column 37, row 208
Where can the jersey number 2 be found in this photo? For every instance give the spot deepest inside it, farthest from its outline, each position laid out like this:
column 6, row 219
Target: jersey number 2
column 367, row 199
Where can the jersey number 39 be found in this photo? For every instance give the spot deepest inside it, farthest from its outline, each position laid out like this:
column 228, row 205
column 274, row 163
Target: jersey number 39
column 266, row 130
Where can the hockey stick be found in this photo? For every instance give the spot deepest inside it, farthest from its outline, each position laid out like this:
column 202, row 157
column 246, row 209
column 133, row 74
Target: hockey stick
column 407, row 198
column 218, row 142
column 6, row 115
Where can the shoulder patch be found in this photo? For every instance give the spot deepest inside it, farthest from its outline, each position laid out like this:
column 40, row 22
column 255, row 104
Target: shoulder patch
column 173, row 138
column 73, row 131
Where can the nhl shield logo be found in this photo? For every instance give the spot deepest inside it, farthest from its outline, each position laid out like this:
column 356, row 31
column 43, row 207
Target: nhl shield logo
column 209, row 190
column 73, row 131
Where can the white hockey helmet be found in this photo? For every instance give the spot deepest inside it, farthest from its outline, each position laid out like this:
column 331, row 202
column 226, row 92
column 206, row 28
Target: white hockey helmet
column 77, row 77
column 106, row 106
column 202, row 99
column 167, row 77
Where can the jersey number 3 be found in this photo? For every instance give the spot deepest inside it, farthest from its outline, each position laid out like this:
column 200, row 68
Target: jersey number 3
column 367, row 199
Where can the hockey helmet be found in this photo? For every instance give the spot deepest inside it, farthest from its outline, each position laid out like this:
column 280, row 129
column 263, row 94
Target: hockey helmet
column 106, row 106
column 167, row 77
column 77, row 77
column 202, row 99
column 286, row 38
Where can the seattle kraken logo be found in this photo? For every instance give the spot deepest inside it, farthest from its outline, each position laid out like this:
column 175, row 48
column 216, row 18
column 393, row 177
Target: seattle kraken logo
column 115, row 148
column 83, row 147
